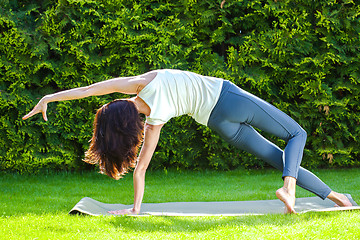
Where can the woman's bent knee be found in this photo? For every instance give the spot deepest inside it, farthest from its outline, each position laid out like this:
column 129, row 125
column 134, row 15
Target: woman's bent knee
column 303, row 133
column 300, row 133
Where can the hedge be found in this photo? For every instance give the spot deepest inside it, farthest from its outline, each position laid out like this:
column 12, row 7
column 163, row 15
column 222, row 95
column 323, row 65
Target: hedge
column 300, row 55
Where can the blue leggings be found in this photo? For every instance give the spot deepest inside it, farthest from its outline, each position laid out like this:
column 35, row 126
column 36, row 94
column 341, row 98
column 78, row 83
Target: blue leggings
column 233, row 118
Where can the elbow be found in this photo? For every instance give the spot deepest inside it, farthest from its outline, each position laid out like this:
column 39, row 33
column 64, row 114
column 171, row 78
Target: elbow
column 140, row 171
column 87, row 91
column 149, row 127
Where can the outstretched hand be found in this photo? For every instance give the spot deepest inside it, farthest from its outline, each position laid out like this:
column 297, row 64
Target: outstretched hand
column 40, row 107
column 124, row 212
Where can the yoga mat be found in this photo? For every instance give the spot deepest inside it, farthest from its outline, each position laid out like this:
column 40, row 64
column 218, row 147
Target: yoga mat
column 92, row 207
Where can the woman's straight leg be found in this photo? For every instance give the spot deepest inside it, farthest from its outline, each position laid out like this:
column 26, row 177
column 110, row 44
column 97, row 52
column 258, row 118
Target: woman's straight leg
column 249, row 140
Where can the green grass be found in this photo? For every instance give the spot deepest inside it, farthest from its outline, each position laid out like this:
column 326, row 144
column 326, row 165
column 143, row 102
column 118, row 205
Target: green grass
column 36, row 206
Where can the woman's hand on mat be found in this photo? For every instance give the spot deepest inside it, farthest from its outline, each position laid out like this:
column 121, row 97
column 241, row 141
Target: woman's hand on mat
column 124, row 212
column 40, row 107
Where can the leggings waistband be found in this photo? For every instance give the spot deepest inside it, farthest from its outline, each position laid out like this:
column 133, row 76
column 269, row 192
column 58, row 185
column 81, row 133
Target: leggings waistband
column 224, row 90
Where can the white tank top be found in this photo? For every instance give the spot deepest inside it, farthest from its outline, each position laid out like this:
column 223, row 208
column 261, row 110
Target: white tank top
column 174, row 93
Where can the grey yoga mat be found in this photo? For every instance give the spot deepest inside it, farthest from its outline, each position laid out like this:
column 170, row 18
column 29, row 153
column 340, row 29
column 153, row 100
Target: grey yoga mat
column 92, row 207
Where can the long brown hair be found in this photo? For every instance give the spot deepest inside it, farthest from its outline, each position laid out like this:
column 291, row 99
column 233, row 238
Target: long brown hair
column 118, row 132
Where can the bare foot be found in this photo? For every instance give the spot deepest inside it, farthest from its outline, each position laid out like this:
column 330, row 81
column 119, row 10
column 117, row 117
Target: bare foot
column 340, row 199
column 288, row 199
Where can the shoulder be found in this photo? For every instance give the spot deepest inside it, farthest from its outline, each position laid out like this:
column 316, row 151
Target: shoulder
column 144, row 79
column 164, row 74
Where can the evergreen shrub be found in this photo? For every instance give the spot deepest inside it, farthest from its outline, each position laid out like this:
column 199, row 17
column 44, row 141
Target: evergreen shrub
column 300, row 55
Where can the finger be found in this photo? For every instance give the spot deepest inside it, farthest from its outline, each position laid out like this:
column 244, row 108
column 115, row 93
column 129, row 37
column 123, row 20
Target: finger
column 28, row 115
column 44, row 116
column 116, row 212
column 222, row 3
column 25, row 117
column 113, row 212
column 120, row 212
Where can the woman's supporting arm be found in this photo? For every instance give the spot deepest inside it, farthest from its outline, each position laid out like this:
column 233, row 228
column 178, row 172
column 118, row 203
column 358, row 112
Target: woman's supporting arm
column 151, row 138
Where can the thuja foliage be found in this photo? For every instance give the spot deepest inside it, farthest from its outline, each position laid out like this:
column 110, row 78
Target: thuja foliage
column 300, row 55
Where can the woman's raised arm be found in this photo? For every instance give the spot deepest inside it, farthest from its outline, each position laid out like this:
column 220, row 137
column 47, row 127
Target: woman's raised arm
column 126, row 85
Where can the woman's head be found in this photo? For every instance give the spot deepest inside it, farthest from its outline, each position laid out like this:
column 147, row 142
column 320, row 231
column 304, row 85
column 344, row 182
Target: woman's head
column 118, row 131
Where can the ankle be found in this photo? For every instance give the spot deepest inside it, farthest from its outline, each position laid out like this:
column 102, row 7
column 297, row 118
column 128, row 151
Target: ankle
column 289, row 185
column 288, row 191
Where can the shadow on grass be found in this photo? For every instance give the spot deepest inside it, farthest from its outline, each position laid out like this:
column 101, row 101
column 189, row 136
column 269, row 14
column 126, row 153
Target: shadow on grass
column 198, row 224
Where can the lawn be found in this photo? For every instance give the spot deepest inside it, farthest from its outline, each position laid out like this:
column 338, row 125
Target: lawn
column 36, row 206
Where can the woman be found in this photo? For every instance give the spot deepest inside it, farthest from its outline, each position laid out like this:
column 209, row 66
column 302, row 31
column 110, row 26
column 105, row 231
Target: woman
column 217, row 103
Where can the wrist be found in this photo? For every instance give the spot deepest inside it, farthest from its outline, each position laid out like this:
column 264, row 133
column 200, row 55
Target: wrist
column 135, row 210
column 46, row 99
